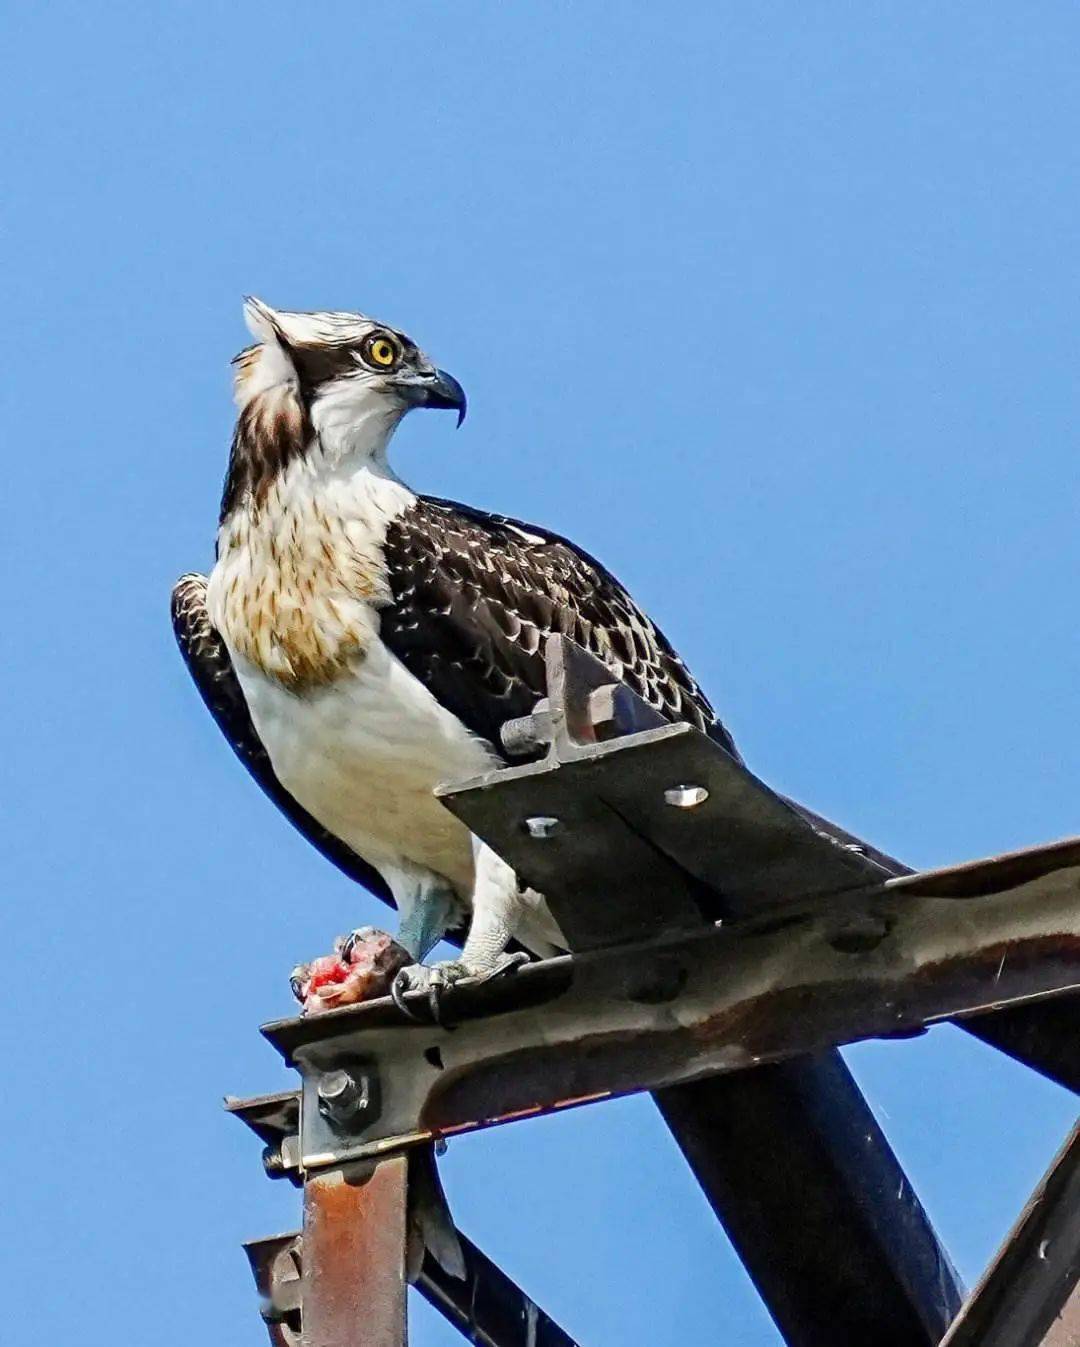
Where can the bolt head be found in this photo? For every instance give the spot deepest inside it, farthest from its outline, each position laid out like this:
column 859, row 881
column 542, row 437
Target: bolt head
column 341, row 1096
column 685, row 797
column 542, row 827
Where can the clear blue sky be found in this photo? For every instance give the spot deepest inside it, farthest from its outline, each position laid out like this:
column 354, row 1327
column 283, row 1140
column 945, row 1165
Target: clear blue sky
column 773, row 307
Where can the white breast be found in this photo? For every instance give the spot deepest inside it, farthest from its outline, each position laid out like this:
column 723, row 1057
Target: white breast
column 352, row 735
column 363, row 755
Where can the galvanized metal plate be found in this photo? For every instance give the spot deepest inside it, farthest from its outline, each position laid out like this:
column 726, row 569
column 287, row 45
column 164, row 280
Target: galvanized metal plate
column 664, row 819
column 588, row 860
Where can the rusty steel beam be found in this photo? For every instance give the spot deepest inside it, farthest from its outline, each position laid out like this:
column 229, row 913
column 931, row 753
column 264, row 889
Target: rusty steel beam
column 1030, row 1294
column 354, row 1251
column 679, row 1008
column 485, row 1305
column 862, row 1258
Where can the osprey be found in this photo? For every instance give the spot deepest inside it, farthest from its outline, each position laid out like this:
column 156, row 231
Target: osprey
column 359, row 643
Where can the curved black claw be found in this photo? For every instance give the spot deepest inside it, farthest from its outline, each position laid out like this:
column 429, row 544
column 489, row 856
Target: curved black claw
column 345, row 945
column 402, row 984
column 298, row 980
column 436, row 979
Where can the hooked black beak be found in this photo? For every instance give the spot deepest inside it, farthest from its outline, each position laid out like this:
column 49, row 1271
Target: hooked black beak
column 437, row 390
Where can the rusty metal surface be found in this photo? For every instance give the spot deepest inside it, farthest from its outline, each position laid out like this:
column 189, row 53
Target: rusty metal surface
column 1065, row 1330
column 486, row 1306
column 1028, row 1296
column 992, row 874
column 354, row 1285
column 680, row 1008
column 275, row 1265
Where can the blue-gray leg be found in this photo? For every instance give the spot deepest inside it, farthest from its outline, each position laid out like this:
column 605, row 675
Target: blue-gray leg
column 426, row 921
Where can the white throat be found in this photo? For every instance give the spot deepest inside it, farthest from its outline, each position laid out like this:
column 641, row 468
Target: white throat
column 353, row 428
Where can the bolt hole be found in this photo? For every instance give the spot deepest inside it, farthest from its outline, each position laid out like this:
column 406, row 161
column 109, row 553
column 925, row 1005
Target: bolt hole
column 434, row 1056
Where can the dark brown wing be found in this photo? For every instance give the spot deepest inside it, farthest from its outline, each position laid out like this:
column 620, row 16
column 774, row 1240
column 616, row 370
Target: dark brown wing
column 209, row 664
column 475, row 595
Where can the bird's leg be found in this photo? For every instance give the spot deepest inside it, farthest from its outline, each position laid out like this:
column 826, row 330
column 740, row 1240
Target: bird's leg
column 496, row 906
column 427, row 919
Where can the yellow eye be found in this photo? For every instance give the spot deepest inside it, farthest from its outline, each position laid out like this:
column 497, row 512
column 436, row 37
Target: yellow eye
column 381, row 351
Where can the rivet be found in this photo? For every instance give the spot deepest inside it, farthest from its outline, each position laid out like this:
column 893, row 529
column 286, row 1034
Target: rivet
column 685, row 797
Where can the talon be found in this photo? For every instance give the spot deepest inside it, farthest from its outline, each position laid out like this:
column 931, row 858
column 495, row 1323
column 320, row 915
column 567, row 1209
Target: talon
column 434, row 979
column 298, row 981
column 345, row 945
column 404, row 982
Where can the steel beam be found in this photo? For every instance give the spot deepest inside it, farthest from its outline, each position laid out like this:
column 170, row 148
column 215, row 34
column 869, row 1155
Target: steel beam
column 743, row 848
column 872, row 963
column 1030, row 1294
column 354, row 1251
column 855, row 1260
column 487, row 1306
column 665, row 831
column 799, row 1116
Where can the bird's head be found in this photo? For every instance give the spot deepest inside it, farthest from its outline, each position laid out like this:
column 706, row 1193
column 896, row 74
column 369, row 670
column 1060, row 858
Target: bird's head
column 350, row 378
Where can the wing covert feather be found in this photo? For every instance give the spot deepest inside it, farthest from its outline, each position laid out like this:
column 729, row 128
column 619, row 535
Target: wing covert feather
column 474, row 597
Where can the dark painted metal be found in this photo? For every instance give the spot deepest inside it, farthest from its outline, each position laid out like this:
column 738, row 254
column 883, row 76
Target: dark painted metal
column 1029, row 1295
column 355, row 1230
column 741, row 848
column 270, row 1116
column 837, row 1241
column 487, row 1307
column 1044, row 1036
